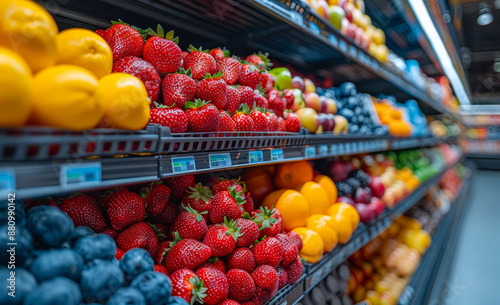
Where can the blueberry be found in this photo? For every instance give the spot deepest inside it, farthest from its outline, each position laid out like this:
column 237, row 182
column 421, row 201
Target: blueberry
column 353, row 128
column 25, row 282
column 57, row 262
column 127, row 296
column 49, row 225
column 156, row 287
column 79, row 232
column 173, row 300
column 57, row 291
column 100, row 281
column 352, row 102
column 363, row 129
column 347, row 89
column 330, row 94
column 347, row 113
column 16, row 210
column 23, row 249
column 354, row 120
column 99, row 246
column 358, row 110
column 361, row 118
column 320, row 91
column 136, row 261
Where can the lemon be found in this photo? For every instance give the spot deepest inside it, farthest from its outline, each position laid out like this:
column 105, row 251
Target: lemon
column 126, row 102
column 28, row 29
column 65, row 96
column 16, row 89
column 86, row 49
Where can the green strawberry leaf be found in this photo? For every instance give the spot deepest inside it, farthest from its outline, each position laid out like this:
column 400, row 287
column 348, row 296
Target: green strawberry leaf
column 226, row 52
column 161, row 33
column 196, row 104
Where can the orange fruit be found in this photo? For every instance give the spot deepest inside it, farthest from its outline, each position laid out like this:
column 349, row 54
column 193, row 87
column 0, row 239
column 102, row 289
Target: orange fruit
column 259, row 183
column 342, row 225
column 292, row 205
column 312, row 245
column 316, row 197
column 329, row 187
column 293, row 174
column 347, row 211
column 319, row 224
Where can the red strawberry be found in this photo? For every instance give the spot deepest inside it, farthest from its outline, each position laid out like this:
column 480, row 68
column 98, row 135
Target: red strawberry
column 295, row 239
column 161, row 269
column 143, row 70
column 180, row 184
column 267, row 80
column 273, row 121
column 200, row 63
column 233, row 99
column 250, row 76
column 248, row 206
column 84, row 211
column 162, row 51
column 199, row 198
column 247, row 95
column 249, row 232
column 123, row 40
column 217, row 54
column 187, row 253
column 276, row 102
column 216, row 284
column 241, row 258
column 295, row 270
column 221, row 238
column 241, row 285
column 212, row 88
column 214, row 262
column 226, row 204
column 168, row 216
column 231, row 69
column 202, row 116
column 172, row 117
column 282, row 276
column 163, row 249
column 281, row 124
column 138, row 235
column 248, row 303
column 290, row 251
column 119, row 253
column 289, row 98
column 260, row 100
column 186, row 285
column 226, row 123
column 178, row 88
column 259, row 60
column 292, row 122
column 266, row 283
column 125, row 208
column 243, row 120
column 228, row 302
column 260, row 120
column 225, row 184
column 157, row 197
column 190, row 224
column 268, row 252
column 161, row 230
column 269, row 221
column 106, row 197
column 110, row 232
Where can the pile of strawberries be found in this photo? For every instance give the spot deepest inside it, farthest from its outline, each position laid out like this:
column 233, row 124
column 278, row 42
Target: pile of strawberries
column 215, row 247
column 201, row 90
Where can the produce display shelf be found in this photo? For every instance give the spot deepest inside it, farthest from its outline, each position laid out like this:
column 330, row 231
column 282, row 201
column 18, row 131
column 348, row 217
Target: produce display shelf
column 363, row 234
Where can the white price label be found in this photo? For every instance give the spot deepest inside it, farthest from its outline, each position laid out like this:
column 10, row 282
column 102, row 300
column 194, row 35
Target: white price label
column 80, row 174
column 183, row 164
column 219, row 160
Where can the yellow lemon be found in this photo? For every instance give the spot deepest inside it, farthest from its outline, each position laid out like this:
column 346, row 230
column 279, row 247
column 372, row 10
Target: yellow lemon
column 16, row 89
column 316, row 197
column 86, row 49
column 319, row 224
column 28, row 29
column 126, row 102
column 312, row 249
column 329, row 187
column 65, row 96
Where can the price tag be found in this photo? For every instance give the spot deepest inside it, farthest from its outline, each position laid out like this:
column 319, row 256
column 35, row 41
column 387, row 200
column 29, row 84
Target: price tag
column 297, row 18
column 323, row 149
column 333, row 148
column 7, row 182
column 355, row 147
column 352, row 51
column 183, row 164
column 255, row 156
column 310, row 152
column 80, row 174
column 341, row 148
column 277, row 154
column 333, row 40
column 314, row 28
column 348, row 148
column 219, row 160
column 343, row 45
column 374, row 64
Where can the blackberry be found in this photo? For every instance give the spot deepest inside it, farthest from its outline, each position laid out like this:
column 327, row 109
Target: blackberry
column 344, row 189
column 353, row 182
column 363, row 177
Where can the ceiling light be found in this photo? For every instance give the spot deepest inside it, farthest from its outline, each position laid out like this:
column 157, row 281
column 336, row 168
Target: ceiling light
column 485, row 17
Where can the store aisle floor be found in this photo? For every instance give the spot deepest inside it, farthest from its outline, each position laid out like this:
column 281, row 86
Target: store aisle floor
column 475, row 274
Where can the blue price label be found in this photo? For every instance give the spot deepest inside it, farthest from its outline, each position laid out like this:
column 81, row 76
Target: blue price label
column 80, row 174
column 310, row 152
column 277, row 154
column 219, row 160
column 255, row 156
column 323, row 149
column 352, row 51
column 183, row 164
column 7, row 182
column 343, row 45
column 333, row 40
column 314, row 28
column 333, row 148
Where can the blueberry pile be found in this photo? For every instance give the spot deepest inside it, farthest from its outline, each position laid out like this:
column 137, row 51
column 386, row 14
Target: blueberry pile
column 58, row 264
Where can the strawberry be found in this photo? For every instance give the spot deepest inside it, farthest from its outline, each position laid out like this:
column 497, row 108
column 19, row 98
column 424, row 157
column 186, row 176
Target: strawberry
column 168, row 216
column 84, row 211
column 260, row 100
column 295, row 270
column 202, row 116
column 160, row 230
column 269, row 221
column 123, row 40
column 110, row 232
column 161, row 269
column 268, row 252
column 212, row 88
column 221, row 238
column 186, row 253
column 125, row 208
column 266, row 283
column 289, row 98
column 228, row 302
column 199, row 198
column 243, row 120
column 214, row 262
column 216, row 284
column 162, row 51
column 178, row 88
column 226, row 204
column 276, row 102
column 186, row 285
column 292, row 122
column 295, row 239
column 259, row 60
column 241, row 258
column 180, row 184
column 143, row 70
column 260, row 120
column 225, row 184
column 282, row 276
column 248, row 206
column 250, row 76
column 233, row 99
column 200, row 63
column 226, row 123
column 267, row 80
column 247, row 95
column 217, row 54
column 106, row 197
column 248, row 303
column 190, row 224
column 156, row 195
column 273, row 121
column 163, row 249
column 249, row 232
column 241, row 285
column 290, row 251
column 138, row 235
column 231, row 69
column 281, row 124
column 119, row 253
column 172, row 117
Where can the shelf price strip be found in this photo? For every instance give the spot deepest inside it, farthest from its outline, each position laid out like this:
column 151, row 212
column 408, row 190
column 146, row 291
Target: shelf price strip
column 277, row 154
column 80, row 174
column 323, row 149
column 310, row 152
column 219, row 160
column 255, row 156
column 183, row 164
